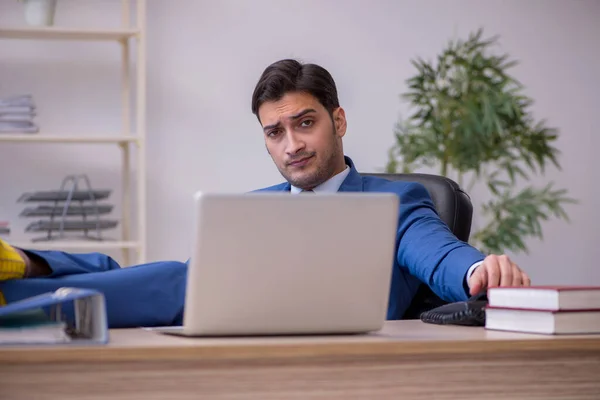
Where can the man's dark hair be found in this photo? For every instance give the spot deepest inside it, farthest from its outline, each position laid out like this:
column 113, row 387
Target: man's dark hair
column 287, row 76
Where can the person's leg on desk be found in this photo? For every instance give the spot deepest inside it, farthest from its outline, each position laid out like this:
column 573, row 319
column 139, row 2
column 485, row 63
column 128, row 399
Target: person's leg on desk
column 145, row 295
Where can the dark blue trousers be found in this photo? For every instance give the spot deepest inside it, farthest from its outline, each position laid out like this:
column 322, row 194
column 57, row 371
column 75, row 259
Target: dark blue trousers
column 144, row 295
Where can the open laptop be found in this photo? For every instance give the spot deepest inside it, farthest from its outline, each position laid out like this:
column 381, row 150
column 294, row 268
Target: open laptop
column 269, row 263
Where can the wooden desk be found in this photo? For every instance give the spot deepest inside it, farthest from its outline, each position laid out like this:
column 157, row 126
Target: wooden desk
column 407, row 359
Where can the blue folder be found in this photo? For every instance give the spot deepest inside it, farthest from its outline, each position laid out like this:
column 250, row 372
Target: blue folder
column 68, row 316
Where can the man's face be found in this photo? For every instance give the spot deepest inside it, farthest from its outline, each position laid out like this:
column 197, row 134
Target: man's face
column 304, row 141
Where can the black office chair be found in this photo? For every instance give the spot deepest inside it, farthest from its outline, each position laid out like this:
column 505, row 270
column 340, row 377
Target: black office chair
column 454, row 208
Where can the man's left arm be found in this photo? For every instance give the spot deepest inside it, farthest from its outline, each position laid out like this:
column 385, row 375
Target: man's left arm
column 429, row 250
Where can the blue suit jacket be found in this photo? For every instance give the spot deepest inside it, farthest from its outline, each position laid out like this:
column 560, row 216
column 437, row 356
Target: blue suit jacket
column 426, row 249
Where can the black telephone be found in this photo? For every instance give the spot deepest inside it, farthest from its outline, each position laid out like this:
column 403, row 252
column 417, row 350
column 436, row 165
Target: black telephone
column 467, row 313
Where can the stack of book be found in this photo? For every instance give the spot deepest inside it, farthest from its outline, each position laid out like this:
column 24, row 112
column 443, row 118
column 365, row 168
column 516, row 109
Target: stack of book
column 16, row 114
column 544, row 309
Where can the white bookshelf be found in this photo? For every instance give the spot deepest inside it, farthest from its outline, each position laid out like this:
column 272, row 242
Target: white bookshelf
column 77, row 245
column 75, row 139
column 127, row 140
column 67, row 34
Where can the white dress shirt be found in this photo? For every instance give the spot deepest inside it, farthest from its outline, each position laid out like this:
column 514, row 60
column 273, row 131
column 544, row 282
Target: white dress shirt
column 333, row 184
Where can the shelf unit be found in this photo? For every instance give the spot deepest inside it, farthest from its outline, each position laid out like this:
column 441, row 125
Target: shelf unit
column 126, row 139
column 68, row 34
column 74, row 139
column 83, row 245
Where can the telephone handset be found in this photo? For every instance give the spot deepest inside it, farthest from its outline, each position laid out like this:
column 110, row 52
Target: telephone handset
column 467, row 313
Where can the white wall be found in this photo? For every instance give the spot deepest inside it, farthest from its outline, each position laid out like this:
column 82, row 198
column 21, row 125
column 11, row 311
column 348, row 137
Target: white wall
column 205, row 57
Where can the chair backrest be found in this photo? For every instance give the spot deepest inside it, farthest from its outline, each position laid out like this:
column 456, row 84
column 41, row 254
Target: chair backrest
column 454, row 208
column 450, row 201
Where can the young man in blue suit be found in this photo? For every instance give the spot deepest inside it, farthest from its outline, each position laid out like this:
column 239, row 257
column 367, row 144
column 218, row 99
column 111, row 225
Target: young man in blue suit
column 303, row 126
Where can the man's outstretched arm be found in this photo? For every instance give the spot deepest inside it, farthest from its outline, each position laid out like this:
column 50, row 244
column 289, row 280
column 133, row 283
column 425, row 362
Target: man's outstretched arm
column 429, row 250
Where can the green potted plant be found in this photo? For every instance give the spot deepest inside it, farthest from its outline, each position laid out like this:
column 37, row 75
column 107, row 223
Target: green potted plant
column 470, row 118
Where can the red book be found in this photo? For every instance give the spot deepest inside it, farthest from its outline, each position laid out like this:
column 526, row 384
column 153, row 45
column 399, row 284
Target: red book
column 551, row 298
